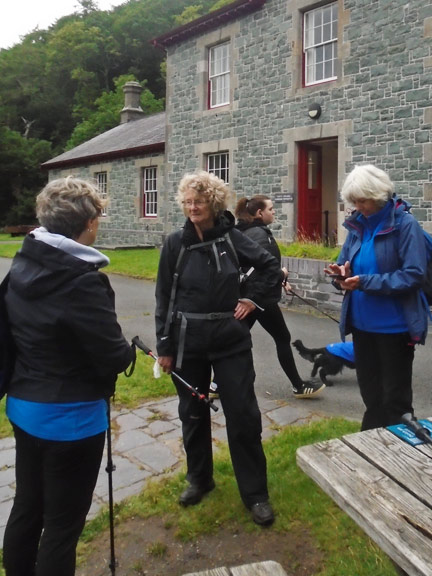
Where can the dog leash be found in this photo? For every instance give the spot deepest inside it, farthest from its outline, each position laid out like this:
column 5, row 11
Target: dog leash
column 291, row 291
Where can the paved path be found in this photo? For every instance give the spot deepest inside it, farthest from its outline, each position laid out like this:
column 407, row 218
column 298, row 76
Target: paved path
column 147, row 443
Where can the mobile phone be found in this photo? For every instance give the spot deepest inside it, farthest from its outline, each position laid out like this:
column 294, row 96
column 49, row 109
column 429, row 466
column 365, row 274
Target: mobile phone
column 337, row 276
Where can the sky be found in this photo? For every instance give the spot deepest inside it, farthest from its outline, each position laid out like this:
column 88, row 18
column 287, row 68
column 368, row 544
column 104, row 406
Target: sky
column 19, row 17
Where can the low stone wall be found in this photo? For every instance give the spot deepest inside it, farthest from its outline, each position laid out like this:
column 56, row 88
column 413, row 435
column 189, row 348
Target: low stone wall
column 308, row 280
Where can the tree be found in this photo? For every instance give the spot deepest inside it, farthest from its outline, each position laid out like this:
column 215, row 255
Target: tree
column 107, row 113
column 20, row 175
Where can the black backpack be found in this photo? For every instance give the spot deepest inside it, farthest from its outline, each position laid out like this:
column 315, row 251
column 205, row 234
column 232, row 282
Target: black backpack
column 7, row 347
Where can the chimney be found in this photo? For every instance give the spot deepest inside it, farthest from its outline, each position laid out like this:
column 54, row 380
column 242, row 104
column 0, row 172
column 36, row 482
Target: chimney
column 132, row 109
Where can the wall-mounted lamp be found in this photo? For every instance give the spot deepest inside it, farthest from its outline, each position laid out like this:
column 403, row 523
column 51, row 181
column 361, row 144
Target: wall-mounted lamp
column 314, row 111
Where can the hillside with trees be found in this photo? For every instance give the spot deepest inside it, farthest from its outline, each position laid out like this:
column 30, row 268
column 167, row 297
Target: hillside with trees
column 62, row 86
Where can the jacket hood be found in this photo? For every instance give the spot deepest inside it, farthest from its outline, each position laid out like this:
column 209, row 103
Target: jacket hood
column 223, row 224
column 40, row 268
column 243, row 225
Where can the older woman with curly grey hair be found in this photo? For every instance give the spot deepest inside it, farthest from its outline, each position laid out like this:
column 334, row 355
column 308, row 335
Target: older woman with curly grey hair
column 201, row 329
column 381, row 268
column 69, row 350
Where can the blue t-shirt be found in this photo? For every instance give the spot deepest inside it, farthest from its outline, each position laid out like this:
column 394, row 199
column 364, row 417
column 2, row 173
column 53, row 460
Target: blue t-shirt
column 62, row 422
column 381, row 313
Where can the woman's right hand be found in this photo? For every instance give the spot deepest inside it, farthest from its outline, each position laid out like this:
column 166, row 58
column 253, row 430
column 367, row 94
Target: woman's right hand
column 166, row 363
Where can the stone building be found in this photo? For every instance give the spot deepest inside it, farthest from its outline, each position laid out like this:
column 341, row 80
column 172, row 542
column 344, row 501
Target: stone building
column 128, row 164
column 282, row 97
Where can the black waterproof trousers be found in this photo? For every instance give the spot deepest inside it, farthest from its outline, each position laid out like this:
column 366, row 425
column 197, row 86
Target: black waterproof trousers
column 234, row 376
column 384, row 372
column 54, row 489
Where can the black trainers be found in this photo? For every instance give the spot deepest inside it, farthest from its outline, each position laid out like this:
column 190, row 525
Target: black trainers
column 308, row 389
column 194, row 494
column 262, row 513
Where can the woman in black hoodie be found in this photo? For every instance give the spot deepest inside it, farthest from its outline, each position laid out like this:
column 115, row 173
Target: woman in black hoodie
column 254, row 215
column 201, row 328
column 69, row 350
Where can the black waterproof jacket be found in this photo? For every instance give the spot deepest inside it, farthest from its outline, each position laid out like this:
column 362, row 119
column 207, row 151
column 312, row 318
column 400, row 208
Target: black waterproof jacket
column 262, row 235
column 209, row 283
column 69, row 345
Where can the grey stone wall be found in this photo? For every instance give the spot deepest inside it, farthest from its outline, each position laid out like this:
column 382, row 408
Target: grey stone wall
column 307, row 279
column 123, row 225
column 379, row 109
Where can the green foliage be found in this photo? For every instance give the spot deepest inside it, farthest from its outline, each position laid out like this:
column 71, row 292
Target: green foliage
column 312, row 249
column 21, row 178
column 189, row 13
column 106, row 115
column 220, row 4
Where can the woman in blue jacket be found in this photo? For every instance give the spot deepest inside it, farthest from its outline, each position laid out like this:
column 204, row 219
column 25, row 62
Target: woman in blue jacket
column 381, row 267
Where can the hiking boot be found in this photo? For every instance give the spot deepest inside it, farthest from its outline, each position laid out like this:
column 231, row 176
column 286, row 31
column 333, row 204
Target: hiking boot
column 194, row 494
column 308, row 389
column 262, row 513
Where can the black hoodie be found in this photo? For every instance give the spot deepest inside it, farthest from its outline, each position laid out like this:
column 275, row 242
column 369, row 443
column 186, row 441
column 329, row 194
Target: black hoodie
column 69, row 345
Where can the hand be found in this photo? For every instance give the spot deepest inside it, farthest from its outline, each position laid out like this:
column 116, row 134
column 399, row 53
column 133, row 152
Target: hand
column 166, row 363
column 244, row 308
column 339, row 272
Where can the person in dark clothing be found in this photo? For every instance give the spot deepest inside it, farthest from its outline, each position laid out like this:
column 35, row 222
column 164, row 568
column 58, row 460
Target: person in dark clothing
column 201, row 327
column 254, row 215
column 69, row 350
column 381, row 268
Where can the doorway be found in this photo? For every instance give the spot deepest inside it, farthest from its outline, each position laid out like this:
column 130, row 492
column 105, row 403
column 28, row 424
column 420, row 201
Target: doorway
column 317, row 190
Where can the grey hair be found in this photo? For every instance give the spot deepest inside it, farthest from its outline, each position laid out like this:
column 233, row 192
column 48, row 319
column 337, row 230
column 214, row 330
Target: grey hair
column 206, row 185
column 367, row 182
column 65, row 206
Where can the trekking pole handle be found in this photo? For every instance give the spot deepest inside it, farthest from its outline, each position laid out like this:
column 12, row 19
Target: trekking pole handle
column 140, row 344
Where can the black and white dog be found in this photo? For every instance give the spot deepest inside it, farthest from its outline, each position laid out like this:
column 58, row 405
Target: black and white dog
column 327, row 361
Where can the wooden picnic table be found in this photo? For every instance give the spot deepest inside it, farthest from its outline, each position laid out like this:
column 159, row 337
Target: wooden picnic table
column 385, row 485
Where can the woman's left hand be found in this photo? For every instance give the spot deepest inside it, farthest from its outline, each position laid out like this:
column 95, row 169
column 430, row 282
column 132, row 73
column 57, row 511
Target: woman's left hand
column 244, row 308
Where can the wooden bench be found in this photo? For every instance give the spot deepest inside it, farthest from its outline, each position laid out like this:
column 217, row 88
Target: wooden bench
column 268, row 568
column 385, row 485
column 19, row 229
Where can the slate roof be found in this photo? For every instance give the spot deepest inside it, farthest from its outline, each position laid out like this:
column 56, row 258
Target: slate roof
column 136, row 137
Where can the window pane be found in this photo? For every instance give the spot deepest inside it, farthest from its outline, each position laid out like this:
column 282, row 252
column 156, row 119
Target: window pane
column 102, row 180
column 218, row 164
column 219, row 75
column 150, row 191
column 320, row 43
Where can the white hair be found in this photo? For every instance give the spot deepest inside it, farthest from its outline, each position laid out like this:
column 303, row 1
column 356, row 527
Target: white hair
column 367, row 182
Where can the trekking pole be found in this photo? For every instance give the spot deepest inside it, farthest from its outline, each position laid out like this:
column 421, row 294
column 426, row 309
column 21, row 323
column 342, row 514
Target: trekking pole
column 139, row 344
column 110, row 467
column 312, row 305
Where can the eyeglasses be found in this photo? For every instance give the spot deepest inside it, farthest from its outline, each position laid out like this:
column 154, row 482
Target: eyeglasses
column 197, row 202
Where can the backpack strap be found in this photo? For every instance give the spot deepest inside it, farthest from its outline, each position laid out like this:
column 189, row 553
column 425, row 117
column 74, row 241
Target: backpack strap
column 174, row 290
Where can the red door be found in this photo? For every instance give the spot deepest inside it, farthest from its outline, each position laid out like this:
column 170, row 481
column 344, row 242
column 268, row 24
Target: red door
column 309, row 191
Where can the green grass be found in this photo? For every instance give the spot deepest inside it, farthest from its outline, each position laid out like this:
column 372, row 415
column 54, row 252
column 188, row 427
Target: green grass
column 298, row 502
column 137, row 263
column 9, row 250
column 314, row 250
